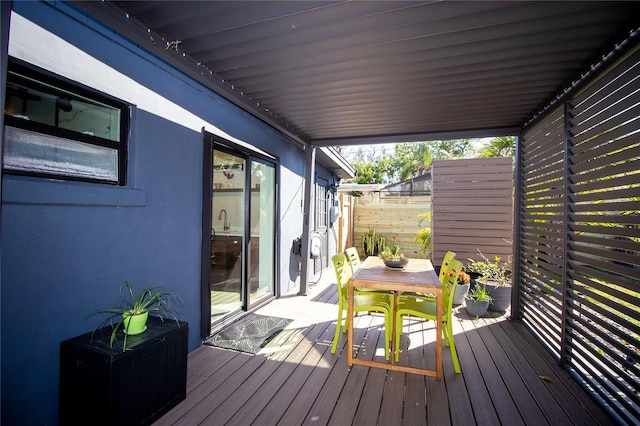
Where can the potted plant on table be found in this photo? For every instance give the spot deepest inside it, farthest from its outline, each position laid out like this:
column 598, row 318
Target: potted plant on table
column 477, row 301
column 497, row 278
column 462, row 288
column 131, row 314
column 393, row 258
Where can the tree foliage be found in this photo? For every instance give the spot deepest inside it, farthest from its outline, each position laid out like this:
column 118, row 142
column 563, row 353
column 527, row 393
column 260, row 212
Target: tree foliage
column 503, row 146
column 375, row 165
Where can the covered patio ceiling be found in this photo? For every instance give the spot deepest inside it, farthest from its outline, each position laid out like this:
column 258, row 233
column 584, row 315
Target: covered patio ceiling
column 333, row 73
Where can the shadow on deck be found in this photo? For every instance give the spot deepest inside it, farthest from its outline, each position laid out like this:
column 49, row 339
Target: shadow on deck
column 507, row 376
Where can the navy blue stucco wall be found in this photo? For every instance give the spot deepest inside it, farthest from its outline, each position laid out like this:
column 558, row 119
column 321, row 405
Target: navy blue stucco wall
column 68, row 246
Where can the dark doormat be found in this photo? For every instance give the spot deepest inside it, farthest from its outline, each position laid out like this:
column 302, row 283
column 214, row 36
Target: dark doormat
column 250, row 334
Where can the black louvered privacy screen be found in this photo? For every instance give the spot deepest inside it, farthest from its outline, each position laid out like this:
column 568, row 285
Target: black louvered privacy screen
column 580, row 234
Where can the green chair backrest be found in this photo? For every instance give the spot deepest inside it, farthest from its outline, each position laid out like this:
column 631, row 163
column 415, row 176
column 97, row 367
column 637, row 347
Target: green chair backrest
column 449, row 282
column 343, row 273
column 353, row 257
column 444, row 268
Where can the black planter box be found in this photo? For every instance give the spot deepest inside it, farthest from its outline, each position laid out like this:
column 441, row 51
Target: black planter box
column 100, row 385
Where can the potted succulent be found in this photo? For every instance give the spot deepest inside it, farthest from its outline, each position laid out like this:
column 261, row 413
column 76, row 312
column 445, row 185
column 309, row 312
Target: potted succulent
column 462, row 288
column 477, row 301
column 393, row 258
column 131, row 313
column 497, row 279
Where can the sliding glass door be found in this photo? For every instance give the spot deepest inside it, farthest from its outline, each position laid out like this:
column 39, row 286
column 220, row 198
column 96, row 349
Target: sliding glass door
column 242, row 259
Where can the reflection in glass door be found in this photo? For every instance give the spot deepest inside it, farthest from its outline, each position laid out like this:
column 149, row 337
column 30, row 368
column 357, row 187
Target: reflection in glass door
column 227, row 234
column 262, row 237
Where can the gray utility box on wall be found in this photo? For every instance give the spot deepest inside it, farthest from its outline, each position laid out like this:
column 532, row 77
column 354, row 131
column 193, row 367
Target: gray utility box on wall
column 100, row 385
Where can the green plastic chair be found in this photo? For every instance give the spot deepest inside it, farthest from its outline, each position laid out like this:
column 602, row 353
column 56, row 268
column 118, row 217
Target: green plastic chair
column 366, row 301
column 444, row 268
column 353, row 257
column 416, row 306
column 354, row 261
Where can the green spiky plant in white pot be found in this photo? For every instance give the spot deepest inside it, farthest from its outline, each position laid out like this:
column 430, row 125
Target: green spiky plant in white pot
column 132, row 312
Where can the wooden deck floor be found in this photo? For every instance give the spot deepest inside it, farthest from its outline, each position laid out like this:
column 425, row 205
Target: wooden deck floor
column 507, row 377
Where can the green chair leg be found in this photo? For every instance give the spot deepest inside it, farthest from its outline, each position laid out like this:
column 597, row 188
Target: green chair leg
column 336, row 337
column 452, row 347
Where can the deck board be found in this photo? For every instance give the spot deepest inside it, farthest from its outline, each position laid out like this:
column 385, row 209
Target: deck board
column 296, row 380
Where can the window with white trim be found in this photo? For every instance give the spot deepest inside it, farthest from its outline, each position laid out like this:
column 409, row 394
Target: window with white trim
column 57, row 128
column 322, row 207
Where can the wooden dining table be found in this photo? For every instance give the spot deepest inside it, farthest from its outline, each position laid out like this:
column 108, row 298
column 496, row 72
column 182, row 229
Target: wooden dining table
column 417, row 276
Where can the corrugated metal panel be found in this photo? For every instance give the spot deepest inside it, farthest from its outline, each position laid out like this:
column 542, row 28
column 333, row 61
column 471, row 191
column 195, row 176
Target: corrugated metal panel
column 346, row 71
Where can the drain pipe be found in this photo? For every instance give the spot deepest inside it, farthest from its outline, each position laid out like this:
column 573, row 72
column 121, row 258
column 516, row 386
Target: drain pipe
column 309, row 195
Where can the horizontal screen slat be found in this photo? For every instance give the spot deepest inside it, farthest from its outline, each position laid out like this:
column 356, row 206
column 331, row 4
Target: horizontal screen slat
column 618, row 243
column 623, row 100
column 606, row 183
column 580, row 285
column 604, row 270
column 603, row 166
column 551, row 179
column 628, row 166
column 625, row 71
column 542, row 235
column 530, row 226
column 614, row 230
column 606, row 207
column 591, row 325
column 611, row 194
column 601, row 274
column 604, row 144
column 598, row 219
column 543, row 166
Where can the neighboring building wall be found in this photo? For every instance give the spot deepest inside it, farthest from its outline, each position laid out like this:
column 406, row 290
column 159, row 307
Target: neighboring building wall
column 472, row 208
column 68, row 246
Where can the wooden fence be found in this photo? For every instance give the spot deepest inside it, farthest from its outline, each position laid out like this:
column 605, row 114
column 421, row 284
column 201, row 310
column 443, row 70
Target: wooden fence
column 397, row 218
column 472, row 208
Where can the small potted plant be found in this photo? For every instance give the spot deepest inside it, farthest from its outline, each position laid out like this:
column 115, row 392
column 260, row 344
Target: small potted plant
column 477, row 301
column 462, row 288
column 393, row 258
column 131, row 314
column 475, row 269
column 497, row 279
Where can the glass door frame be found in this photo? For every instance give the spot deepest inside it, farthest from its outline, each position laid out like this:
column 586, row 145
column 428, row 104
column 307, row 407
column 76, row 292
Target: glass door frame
column 210, row 143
